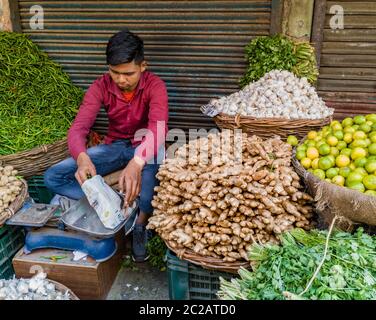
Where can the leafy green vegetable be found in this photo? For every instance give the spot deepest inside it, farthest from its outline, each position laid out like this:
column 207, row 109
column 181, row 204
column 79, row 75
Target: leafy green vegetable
column 156, row 249
column 349, row 271
column 277, row 52
column 128, row 263
column 37, row 98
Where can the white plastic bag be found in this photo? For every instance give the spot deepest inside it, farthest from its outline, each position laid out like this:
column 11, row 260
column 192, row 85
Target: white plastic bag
column 105, row 201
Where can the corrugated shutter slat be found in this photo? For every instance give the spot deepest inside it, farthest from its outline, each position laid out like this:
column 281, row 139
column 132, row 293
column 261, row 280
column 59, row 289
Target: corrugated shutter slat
column 348, row 59
column 197, row 47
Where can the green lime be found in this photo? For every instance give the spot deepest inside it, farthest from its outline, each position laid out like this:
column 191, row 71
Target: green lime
column 312, row 135
column 346, row 152
column 358, row 143
column 370, row 182
column 334, row 151
column 332, row 141
column 371, row 117
column 348, row 137
column 339, row 134
column 372, row 149
column 306, row 163
column 370, row 193
column 332, row 159
column 354, row 177
column 359, row 163
column 324, row 149
column 302, row 147
column 358, row 186
column 325, row 163
column 344, row 172
column 362, row 171
column 342, row 161
column 331, row 173
column 349, row 130
column 361, row 135
column 357, row 153
column 292, row 140
column 336, row 127
column 311, row 143
column 365, row 127
column 370, row 166
column 359, row 119
column 319, row 174
column 319, row 143
column 341, row 145
column 339, row 180
column 347, row 122
column 300, row 154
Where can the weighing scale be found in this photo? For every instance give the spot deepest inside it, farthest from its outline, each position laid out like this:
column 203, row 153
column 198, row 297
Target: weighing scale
column 76, row 227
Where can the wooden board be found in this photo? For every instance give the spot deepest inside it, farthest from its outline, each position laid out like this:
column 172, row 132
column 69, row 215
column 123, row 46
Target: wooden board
column 87, row 279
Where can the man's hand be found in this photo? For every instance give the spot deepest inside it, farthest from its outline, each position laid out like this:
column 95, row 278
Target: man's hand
column 130, row 181
column 85, row 168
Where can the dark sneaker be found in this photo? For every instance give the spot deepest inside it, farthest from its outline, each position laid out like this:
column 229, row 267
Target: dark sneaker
column 140, row 237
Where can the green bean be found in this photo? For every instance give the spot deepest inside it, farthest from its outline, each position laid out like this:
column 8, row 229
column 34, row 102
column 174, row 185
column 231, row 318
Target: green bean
column 38, row 100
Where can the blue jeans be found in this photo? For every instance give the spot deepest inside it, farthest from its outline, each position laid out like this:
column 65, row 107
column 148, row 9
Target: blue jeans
column 107, row 158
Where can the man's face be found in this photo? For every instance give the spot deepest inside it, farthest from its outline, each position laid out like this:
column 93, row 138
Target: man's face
column 127, row 75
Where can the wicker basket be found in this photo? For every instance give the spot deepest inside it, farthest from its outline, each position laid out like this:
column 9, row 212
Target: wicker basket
column 62, row 288
column 210, row 263
column 267, row 127
column 15, row 205
column 37, row 160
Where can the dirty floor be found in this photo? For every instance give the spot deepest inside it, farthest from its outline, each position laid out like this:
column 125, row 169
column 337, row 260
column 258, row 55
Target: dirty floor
column 139, row 282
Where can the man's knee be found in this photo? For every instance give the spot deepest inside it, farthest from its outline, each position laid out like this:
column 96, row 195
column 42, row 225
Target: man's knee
column 50, row 177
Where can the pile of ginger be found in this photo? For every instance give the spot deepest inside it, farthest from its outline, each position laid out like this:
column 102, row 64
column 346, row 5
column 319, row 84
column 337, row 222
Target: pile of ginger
column 223, row 192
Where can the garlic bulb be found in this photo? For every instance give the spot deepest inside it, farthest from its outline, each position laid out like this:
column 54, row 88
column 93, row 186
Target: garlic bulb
column 36, row 288
column 279, row 94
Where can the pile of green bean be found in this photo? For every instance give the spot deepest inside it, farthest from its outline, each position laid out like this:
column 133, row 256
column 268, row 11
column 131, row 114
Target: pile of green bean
column 38, row 101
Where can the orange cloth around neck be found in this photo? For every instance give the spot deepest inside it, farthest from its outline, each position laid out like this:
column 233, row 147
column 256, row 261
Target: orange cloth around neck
column 128, row 96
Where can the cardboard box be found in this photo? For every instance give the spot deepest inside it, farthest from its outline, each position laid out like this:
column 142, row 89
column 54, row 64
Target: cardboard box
column 88, row 279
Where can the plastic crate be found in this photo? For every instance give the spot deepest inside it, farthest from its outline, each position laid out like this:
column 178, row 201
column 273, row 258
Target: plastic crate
column 11, row 240
column 38, row 191
column 187, row 281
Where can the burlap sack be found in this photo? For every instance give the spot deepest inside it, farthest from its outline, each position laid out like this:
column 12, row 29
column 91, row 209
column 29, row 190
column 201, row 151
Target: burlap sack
column 351, row 206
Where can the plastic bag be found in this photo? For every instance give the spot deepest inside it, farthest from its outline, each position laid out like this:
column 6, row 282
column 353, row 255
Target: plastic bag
column 106, row 202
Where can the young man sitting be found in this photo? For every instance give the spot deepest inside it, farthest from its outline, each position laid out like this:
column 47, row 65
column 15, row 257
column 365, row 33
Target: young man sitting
column 134, row 99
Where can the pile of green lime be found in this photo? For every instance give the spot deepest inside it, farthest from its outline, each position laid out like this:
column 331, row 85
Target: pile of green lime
column 343, row 153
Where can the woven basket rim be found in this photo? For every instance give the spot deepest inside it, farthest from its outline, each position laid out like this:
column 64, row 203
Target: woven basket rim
column 39, row 149
column 209, row 263
column 35, row 161
column 271, row 119
column 63, row 288
column 18, row 202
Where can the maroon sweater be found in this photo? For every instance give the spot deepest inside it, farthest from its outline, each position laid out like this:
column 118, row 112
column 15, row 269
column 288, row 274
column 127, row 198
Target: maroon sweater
column 147, row 110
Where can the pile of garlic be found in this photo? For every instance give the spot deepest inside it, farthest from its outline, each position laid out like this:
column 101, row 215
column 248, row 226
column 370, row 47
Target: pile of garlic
column 279, row 94
column 36, row 288
column 10, row 188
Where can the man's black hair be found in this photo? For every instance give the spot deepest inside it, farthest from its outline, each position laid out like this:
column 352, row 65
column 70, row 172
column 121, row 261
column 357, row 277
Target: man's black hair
column 124, row 47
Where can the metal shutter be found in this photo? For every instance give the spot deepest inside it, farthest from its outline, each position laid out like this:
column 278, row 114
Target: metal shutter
column 348, row 59
column 197, row 47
